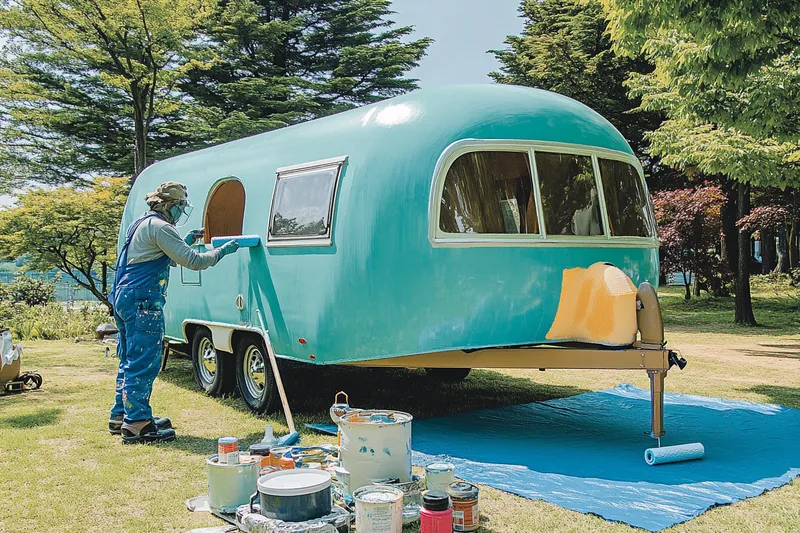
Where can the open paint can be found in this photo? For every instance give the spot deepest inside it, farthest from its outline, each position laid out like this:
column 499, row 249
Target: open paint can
column 439, row 476
column 230, row 485
column 379, row 509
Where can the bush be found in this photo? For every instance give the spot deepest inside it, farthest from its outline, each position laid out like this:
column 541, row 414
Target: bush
column 52, row 321
column 31, row 291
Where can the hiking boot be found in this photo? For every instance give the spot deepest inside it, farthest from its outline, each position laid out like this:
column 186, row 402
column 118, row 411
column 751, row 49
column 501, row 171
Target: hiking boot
column 136, row 433
column 115, row 424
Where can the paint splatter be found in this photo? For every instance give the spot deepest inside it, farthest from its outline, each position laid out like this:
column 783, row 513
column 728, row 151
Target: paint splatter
column 363, row 449
column 387, row 452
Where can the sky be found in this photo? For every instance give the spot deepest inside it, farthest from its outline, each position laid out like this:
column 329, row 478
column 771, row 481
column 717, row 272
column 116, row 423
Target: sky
column 463, row 31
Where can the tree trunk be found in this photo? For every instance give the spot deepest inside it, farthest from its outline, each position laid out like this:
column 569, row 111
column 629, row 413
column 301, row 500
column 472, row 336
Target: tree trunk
column 104, row 271
column 782, row 263
column 744, row 304
column 767, row 251
column 793, row 244
column 729, row 211
column 140, row 132
column 688, row 287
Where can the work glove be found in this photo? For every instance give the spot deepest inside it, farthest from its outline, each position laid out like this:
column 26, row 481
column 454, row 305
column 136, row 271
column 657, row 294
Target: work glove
column 193, row 235
column 227, row 248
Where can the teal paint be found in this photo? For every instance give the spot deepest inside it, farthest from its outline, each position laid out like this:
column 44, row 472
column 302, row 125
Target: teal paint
column 381, row 289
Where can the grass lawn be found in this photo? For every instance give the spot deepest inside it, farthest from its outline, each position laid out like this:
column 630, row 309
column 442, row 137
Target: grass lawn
column 61, row 471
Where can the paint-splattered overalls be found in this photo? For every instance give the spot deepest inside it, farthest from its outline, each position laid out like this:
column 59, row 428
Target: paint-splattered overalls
column 139, row 295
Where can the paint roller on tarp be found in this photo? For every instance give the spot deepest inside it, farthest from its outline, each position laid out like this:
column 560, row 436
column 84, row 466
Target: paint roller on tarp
column 674, row 454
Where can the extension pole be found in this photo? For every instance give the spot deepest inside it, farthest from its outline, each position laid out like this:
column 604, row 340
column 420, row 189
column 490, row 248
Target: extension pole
column 275, row 372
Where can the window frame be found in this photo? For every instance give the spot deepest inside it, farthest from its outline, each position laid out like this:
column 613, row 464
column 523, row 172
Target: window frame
column 297, row 171
column 511, row 236
column 439, row 238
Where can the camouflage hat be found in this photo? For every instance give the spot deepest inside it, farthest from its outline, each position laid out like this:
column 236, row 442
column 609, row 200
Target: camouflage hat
column 169, row 192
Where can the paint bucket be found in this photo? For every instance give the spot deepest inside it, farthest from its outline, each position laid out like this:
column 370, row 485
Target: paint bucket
column 228, row 450
column 379, row 509
column 439, row 476
column 376, row 444
column 294, row 495
column 230, row 486
column 466, row 515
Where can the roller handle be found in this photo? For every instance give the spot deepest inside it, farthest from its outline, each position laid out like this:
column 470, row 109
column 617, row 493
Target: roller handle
column 253, row 499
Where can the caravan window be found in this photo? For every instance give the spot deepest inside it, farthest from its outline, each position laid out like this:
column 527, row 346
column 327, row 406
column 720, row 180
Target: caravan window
column 302, row 205
column 569, row 194
column 489, row 192
column 626, row 200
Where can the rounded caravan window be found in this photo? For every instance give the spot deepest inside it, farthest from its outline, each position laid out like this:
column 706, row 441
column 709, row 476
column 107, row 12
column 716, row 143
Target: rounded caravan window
column 627, row 201
column 224, row 214
column 570, row 200
column 489, row 192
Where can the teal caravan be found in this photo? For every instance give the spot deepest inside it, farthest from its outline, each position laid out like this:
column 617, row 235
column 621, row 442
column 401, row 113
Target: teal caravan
column 430, row 230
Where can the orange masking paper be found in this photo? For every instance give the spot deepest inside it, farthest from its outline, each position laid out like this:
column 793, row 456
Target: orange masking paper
column 597, row 305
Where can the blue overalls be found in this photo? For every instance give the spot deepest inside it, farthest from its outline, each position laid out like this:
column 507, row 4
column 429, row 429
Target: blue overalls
column 139, row 295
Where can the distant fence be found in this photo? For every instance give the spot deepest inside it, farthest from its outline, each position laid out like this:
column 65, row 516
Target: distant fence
column 65, row 291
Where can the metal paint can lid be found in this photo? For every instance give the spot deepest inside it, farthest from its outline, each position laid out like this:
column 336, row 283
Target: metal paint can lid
column 461, row 490
column 294, row 482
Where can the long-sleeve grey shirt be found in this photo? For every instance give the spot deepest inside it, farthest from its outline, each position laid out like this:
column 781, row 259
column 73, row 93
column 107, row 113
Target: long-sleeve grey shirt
column 155, row 237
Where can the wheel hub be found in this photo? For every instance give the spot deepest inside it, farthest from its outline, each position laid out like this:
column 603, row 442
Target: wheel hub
column 208, row 361
column 254, row 371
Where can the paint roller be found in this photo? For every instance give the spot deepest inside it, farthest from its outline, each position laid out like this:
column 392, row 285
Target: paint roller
column 245, row 241
column 674, row 454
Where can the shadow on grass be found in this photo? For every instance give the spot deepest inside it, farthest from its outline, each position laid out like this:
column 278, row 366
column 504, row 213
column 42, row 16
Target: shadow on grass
column 311, row 389
column 787, row 396
column 787, row 351
column 43, row 417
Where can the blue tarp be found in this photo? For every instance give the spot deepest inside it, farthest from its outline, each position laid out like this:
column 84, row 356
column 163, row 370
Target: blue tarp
column 586, row 452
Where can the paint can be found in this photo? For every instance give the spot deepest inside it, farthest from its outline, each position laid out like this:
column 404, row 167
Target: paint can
column 439, row 476
column 337, row 410
column 228, row 450
column 276, row 453
column 379, row 509
column 376, row 444
column 466, row 515
column 230, row 485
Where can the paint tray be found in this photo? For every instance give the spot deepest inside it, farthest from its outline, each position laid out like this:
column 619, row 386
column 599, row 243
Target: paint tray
column 245, row 241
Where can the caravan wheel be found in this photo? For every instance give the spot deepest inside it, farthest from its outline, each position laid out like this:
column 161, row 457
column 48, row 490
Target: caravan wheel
column 213, row 370
column 254, row 376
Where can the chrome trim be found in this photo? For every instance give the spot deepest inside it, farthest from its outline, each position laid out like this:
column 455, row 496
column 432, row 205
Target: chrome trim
column 438, row 238
column 337, row 163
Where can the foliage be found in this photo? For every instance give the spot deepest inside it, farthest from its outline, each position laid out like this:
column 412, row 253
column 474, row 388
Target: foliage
column 765, row 217
column 30, row 291
column 264, row 64
column 564, row 48
column 52, row 321
column 81, row 81
column 784, row 286
column 689, row 225
column 73, row 230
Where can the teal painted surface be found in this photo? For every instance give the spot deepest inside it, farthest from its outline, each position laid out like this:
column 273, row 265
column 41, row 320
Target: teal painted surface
column 381, row 289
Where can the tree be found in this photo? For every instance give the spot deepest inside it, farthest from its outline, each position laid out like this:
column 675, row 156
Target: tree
column 689, row 226
column 767, row 221
column 83, row 81
column 73, row 230
column 726, row 74
column 564, row 47
column 275, row 63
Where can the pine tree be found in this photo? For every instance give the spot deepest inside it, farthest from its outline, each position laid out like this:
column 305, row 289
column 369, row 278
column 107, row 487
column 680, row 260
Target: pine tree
column 279, row 62
column 84, row 84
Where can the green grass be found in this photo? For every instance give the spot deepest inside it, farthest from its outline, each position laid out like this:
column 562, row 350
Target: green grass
column 61, row 471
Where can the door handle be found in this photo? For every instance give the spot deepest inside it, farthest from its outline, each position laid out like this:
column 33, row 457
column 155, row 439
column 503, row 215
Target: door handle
column 240, row 302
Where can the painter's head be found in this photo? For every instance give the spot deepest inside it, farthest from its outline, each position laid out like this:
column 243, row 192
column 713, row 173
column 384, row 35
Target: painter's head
column 170, row 200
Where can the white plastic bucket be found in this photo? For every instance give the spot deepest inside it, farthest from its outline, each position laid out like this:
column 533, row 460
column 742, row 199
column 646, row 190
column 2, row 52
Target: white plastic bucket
column 376, row 444
column 379, row 509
